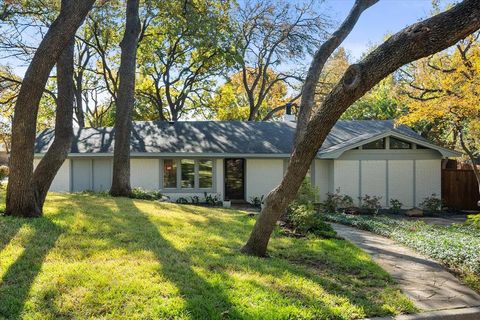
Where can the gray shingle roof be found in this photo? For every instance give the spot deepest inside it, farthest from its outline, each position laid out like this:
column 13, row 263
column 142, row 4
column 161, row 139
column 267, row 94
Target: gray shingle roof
column 215, row 137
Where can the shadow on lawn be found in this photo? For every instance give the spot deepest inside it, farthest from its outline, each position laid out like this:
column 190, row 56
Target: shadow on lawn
column 119, row 223
column 18, row 279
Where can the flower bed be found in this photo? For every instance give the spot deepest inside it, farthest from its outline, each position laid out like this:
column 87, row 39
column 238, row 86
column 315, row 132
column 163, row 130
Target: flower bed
column 457, row 246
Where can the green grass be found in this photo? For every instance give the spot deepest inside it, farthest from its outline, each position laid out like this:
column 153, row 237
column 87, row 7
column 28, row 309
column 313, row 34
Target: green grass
column 456, row 246
column 100, row 257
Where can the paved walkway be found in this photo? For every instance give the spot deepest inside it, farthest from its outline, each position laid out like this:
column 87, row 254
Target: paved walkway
column 424, row 281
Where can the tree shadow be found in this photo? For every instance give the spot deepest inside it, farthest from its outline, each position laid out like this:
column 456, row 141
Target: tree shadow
column 18, row 279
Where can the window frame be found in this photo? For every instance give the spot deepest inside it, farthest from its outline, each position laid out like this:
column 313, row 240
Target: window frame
column 382, row 139
column 410, row 145
column 196, row 181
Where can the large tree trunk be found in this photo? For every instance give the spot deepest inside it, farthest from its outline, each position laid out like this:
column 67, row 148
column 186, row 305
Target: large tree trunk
column 20, row 192
column 125, row 101
column 57, row 153
column 412, row 43
column 307, row 103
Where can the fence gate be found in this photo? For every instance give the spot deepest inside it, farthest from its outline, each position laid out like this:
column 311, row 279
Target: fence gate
column 460, row 189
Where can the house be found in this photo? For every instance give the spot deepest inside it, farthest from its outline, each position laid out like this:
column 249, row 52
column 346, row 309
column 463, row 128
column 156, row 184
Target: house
column 240, row 160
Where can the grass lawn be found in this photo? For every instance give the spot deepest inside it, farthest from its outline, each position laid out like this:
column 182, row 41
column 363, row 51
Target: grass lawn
column 457, row 246
column 100, row 257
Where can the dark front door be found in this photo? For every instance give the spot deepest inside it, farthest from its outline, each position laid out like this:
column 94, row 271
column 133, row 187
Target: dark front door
column 235, row 179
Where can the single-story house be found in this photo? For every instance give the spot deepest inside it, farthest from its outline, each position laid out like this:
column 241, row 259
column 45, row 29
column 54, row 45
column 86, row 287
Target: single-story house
column 239, row 160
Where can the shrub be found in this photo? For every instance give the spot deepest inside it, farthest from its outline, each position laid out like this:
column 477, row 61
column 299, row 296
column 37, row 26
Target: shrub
column 431, row 203
column 182, row 200
column 370, row 203
column 211, row 200
column 256, row 201
column 304, row 219
column 474, row 220
column 302, row 216
column 395, row 205
column 4, row 172
column 336, row 201
column 138, row 193
column 195, row 200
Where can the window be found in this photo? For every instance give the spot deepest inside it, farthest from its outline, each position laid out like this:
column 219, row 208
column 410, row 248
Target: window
column 422, row 147
column 169, row 173
column 187, row 167
column 377, row 144
column 205, row 173
column 399, row 144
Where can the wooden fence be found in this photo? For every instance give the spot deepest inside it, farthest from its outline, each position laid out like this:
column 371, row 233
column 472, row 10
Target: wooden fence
column 460, row 189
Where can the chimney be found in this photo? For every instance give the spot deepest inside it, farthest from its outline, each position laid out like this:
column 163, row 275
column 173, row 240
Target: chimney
column 288, row 116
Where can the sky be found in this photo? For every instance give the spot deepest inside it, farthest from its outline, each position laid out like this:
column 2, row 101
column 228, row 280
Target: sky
column 385, row 17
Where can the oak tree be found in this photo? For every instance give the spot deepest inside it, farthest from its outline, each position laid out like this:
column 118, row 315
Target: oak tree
column 412, row 43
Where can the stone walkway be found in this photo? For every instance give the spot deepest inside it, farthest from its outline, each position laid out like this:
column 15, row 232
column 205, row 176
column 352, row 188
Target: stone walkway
column 424, row 281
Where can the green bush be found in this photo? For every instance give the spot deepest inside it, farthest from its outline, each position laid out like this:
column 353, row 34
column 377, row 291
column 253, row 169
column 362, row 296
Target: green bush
column 474, row 220
column 256, row 201
column 138, row 193
column 336, row 201
column 370, row 203
column 395, row 205
column 303, row 217
column 212, row 199
column 431, row 203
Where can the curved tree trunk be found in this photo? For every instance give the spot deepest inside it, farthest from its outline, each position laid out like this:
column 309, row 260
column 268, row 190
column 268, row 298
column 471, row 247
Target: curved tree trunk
column 321, row 56
column 412, row 43
column 58, row 151
column 125, row 101
column 20, row 192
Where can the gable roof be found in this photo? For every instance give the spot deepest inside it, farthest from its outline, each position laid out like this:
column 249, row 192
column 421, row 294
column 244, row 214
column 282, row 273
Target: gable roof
column 229, row 137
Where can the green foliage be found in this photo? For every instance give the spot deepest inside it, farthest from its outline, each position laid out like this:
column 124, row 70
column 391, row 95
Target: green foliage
column 395, row 205
column 139, row 193
column 454, row 246
column 336, row 201
column 474, row 220
column 431, row 203
column 195, row 199
column 212, row 199
column 370, row 203
column 256, row 201
column 182, row 200
column 306, row 220
column 302, row 214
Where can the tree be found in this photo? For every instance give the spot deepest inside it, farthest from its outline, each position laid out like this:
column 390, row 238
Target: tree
column 414, row 42
column 274, row 39
column 125, row 101
column 20, row 192
column 443, row 90
column 51, row 162
column 383, row 102
column 230, row 102
column 184, row 53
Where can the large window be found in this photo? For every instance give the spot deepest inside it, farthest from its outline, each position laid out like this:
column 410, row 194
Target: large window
column 205, row 173
column 169, row 173
column 188, row 173
column 399, row 144
column 377, row 144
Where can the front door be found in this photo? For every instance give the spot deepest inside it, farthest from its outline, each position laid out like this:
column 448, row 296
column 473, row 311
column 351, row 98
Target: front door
column 235, row 179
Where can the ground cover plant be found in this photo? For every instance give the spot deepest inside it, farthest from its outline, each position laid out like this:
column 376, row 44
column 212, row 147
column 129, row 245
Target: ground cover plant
column 94, row 256
column 456, row 246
